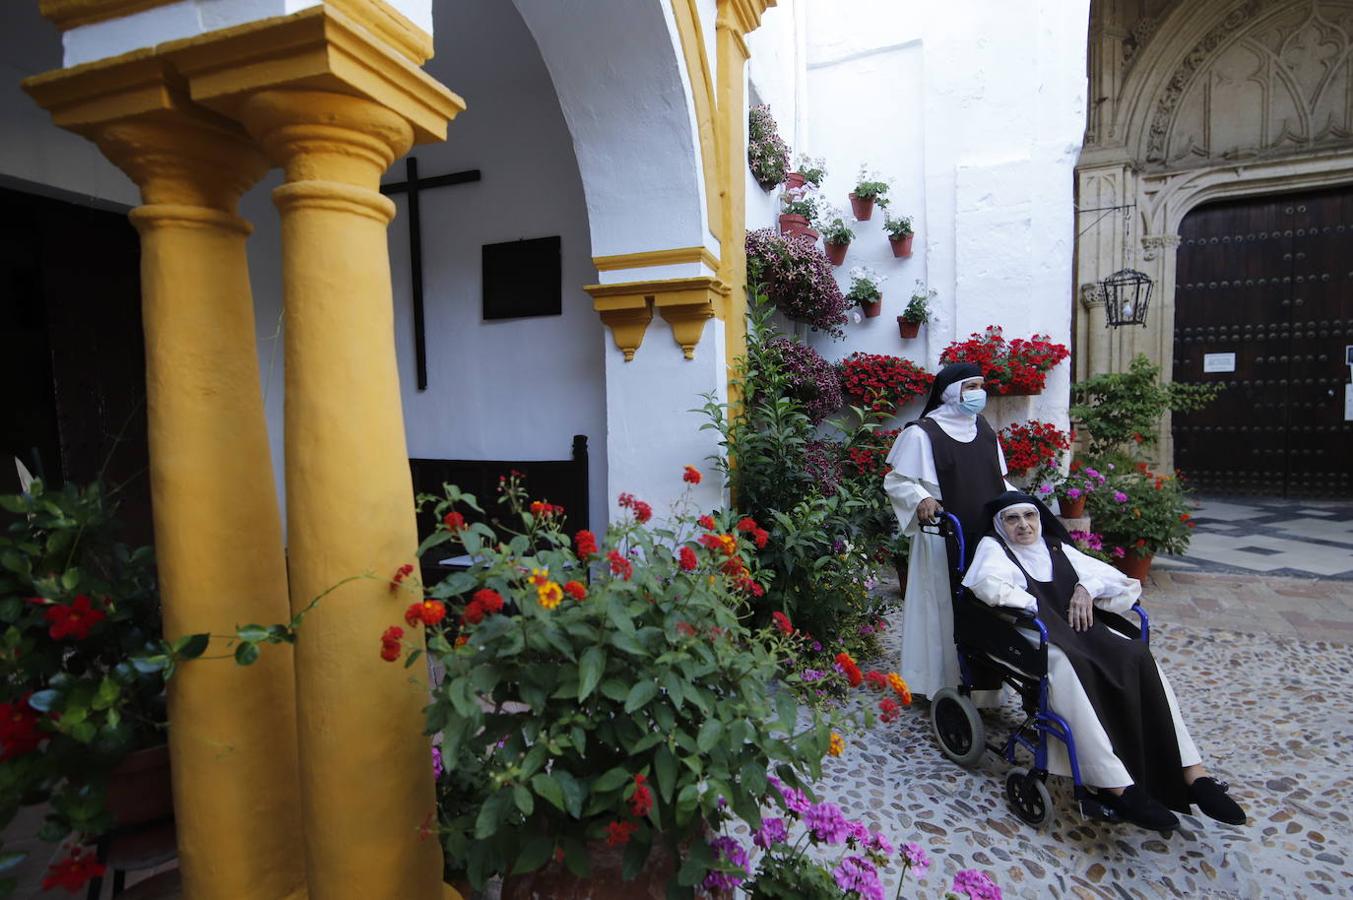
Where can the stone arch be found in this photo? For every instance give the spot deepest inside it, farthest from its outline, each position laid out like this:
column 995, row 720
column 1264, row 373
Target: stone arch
column 625, row 94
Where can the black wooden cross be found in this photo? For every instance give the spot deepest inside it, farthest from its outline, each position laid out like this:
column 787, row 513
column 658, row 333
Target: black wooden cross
column 412, row 187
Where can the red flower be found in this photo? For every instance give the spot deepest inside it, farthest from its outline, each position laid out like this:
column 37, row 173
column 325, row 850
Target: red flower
column 782, row 623
column 686, row 629
column 691, row 475
column 1017, row 365
column 414, row 614
column 619, row 565
column 75, row 620
column 881, row 382
column 19, row 734
column 490, row 600
column 889, row 710
column 618, row 833
column 575, row 589
column 761, row 536
column 586, row 544
column 688, row 559
column 474, row 613
column 734, row 566
column 877, row 680
column 642, row 511
column 746, row 523
column 641, row 801
column 401, row 573
column 432, row 611
column 707, row 522
column 390, row 643
column 73, row 872
column 453, row 521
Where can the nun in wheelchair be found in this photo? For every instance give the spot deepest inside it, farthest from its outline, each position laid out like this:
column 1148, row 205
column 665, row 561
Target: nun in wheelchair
column 1131, row 742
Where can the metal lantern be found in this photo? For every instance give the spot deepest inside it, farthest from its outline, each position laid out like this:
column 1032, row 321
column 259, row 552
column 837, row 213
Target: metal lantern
column 1126, row 293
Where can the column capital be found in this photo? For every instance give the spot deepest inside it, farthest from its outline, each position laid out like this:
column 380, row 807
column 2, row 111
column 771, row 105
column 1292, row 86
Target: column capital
column 322, row 49
column 686, row 304
column 138, row 113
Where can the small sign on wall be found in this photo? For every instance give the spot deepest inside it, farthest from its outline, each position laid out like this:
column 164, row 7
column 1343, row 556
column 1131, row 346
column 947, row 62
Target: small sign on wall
column 1219, row 362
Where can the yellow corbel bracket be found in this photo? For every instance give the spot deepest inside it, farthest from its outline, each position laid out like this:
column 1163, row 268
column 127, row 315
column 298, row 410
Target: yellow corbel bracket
column 685, row 303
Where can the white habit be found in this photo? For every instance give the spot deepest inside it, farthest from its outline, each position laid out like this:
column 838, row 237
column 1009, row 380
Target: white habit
column 995, row 580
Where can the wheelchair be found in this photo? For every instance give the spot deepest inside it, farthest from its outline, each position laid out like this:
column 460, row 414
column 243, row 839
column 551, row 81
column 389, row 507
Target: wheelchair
column 992, row 651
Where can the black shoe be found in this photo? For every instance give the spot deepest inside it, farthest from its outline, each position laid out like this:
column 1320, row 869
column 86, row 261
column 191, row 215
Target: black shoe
column 1210, row 796
column 1140, row 808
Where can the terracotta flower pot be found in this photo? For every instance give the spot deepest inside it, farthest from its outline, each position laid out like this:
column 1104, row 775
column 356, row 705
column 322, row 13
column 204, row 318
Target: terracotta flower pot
column 836, row 253
column 872, row 308
column 1134, row 566
column 139, row 789
column 908, row 330
column 555, row 882
column 862, row 207
column 1072, row 509
column 794, row 180
column 902, row 245
column 792, row 223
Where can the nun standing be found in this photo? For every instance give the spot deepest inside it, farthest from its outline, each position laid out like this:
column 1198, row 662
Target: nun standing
column 1130, row 738
column 947, row 461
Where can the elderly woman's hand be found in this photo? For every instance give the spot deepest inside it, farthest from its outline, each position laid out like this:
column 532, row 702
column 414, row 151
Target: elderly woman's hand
column 1081, row 615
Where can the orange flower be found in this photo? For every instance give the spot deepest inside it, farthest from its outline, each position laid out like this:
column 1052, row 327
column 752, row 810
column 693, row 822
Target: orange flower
column 549, row 594
column 900, row 688
column 836, row 745
column 575, row 589
column 691, row 475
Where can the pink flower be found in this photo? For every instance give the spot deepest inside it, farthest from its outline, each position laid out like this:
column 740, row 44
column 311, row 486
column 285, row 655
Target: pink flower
column 1119, row 553
column 1073, row 493
column 1120, row 497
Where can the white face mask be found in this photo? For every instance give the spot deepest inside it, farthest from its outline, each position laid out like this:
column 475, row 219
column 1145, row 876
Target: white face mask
column 973, row 401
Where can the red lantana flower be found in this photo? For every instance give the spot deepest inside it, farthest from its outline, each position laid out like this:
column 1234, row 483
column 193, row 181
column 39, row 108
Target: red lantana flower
column 877, row 680
column 707, row 522
column 453, row 521
column 542, row 509
column 761, row 536
column 782, row 623
column 746, row 523
column 73, row 872
column 401, row 573
column 618, row 833
column 73, row 621
column 687, row 559
column 576, row 590
column 619, row 565
column 889, row 710
column 641, row 801
column 585, row 542
column 691, row 475
column 390, row 643
column 489, row 599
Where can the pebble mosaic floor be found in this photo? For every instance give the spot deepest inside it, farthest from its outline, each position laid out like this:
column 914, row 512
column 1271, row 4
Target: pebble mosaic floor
column 1273, row 715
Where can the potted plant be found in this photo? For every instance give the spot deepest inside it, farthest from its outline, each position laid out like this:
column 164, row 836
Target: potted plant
column 1139, row 515
column 798, row 211
column 836, row 236
column 809, row 171
column 869, row 190
column 899, row 233
column 866, row 290
column 1075, row 489
column 917, row 312
column 767, row 153
column 1012, row 368
column 795, row 277
column 883, row 383
column 1033, row 448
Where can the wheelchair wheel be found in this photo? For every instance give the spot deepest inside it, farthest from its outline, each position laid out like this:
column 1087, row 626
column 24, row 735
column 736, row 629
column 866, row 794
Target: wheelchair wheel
column 1028, row 797
column 958, row 727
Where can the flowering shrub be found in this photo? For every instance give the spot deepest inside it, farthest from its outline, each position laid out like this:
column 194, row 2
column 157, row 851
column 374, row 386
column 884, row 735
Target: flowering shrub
column 865, row 286
column 809, row 379
column 1014, row 367
column 1033, row 446
column 767, row 153
column 1141, row 513
column 797, row 278
column 918, row 307
column 897, row 228
column 577, row 713
column 868, row 453
column 1080, row 482
column 883, row 383
column 1122, row 411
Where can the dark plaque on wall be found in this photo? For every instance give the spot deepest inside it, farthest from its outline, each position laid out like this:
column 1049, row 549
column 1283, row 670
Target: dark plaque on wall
column 522, row 278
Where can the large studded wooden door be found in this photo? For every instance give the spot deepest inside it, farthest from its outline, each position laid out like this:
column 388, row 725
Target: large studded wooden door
column 1264, row 304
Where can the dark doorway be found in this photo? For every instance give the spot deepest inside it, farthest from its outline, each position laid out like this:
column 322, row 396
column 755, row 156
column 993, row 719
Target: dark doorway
column 74, row 358
column 1265, row 304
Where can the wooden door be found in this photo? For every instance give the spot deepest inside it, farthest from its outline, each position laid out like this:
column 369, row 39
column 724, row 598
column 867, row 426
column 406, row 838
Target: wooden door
column 1264, row 305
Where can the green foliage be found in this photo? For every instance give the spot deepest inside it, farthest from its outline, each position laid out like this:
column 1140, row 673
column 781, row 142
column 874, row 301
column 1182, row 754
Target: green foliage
column 557, row 717
column 897, row 228
column 1140, row 513
column 869, row 186
column 1121, row 411
column 918, row 307
column 834, row 228
column 793, row 876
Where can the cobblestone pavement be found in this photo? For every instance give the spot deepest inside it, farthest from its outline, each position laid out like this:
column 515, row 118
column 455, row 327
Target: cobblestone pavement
column 1265, row 693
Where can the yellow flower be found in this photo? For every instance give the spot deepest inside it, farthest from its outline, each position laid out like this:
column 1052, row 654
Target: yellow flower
column 837, row 745
column 540, row 576
column 549, row 594
column 899, row 686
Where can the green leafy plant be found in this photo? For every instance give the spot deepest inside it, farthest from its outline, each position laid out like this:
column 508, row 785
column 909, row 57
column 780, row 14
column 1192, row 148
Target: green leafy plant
column 869, row 186
column 834, row 228
column 608, row 692
column 813, row 169
column 1141, row 513
column 897, row 228
column 866, row 286
column 801, row 201
column 1120, row 412
column 918, row 307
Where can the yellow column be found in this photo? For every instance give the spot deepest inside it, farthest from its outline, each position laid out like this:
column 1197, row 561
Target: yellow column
column 218, row 541
column 367, row 781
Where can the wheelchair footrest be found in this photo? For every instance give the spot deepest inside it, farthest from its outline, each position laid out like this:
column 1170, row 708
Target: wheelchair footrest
column 1092, row 808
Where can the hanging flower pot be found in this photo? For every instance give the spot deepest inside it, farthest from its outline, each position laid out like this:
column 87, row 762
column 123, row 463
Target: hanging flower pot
column 1134, row 566
column 793, row 223
column 901, row 245
column 794, row 180
column 862, row 207
column 605, row 882
column 872, row 308
column 908, row 330
column 836, row 253
column 1072, row 509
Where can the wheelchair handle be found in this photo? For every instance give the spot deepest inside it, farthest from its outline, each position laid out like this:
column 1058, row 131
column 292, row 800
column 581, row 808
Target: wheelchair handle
column 948, row 521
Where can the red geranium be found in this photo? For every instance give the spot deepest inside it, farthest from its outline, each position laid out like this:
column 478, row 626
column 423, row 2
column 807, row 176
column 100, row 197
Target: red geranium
column 782, row 623
column 1016, row 367
column 881, row 382
column 1032, row 445
column 575, row 589
column 619, row 565
column 707, row 522
column 691, row 475
column 585, row 542
column 73, row 621
column 868, row 455
column 687, row 558
column 73, row 872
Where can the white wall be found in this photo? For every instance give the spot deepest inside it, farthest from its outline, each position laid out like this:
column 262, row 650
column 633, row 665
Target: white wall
column 509, row 389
